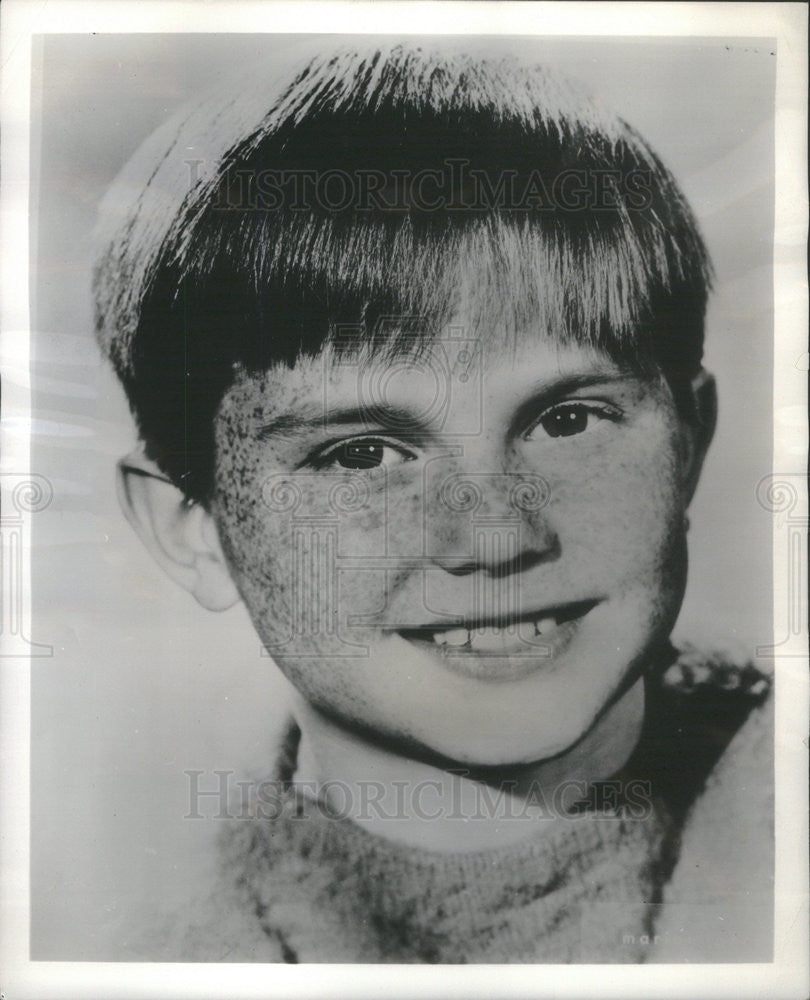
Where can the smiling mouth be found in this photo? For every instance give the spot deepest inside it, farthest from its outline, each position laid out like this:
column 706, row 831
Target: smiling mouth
column 541, row 633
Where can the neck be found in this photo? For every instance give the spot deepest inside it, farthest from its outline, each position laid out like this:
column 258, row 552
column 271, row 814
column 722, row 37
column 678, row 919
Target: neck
column 458, row 808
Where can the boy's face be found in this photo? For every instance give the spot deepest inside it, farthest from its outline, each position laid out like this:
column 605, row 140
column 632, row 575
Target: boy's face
column 470, row 553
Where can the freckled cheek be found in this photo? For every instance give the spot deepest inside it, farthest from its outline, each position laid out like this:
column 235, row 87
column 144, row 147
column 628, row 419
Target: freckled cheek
column 619, row 520
column 264, row 570
column 257, row 544
column 336, row 566
column 408, row 519
column 373, row 541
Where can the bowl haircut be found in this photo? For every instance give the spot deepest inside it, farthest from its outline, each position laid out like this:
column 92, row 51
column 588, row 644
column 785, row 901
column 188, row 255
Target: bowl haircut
column 366, row 198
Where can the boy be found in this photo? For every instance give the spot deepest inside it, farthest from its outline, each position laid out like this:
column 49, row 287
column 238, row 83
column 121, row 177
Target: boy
column 413, row 341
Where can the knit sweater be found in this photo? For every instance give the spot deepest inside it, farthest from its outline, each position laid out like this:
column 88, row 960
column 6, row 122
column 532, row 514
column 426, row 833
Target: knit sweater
column 687, row 877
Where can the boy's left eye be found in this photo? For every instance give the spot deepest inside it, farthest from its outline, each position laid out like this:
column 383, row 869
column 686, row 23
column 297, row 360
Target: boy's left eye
column 570, row 419
column 363, row 453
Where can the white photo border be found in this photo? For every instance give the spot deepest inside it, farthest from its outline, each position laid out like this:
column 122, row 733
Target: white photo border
column 787, row 976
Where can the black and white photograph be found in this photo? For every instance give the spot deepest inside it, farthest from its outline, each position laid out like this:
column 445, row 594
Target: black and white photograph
column 409, row 552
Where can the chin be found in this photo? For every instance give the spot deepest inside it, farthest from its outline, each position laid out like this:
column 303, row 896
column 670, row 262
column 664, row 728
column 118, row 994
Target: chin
column 516, row 750
column 504, row 735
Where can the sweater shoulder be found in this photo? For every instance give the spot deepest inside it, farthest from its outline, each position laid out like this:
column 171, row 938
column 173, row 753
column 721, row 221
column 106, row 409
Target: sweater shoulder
column 698, row 703
column 717, row 904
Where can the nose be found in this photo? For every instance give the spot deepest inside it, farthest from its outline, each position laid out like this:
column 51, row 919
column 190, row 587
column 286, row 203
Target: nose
column 494, row 523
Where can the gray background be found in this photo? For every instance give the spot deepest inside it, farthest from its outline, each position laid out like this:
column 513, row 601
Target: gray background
column 143, row 684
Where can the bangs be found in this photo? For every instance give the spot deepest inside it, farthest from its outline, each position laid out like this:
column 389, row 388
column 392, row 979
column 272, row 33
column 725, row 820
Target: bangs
column 278, row 288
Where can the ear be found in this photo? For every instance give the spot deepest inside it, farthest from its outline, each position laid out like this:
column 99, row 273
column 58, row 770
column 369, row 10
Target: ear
column 181, row 535
column 699, row 429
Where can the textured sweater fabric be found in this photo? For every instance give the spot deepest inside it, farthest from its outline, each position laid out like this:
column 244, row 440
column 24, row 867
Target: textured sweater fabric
column 686, row 878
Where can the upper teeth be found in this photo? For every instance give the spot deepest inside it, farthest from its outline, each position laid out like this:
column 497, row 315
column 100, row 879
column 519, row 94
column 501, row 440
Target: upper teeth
column 454, row 637
column 484, row 635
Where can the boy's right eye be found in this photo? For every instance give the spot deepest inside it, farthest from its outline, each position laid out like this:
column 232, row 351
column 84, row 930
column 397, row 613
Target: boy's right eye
column 362, row 453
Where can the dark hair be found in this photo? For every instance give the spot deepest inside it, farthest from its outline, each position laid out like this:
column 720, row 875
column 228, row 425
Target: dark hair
column 362, row 199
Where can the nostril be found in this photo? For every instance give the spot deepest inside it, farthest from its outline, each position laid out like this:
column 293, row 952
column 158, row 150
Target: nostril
column 460, row 567
column 490, row 523
column 501, row 564
column 522, row 561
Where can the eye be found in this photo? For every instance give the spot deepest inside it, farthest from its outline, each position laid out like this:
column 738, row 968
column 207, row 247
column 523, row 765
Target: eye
column 363, row 453
column 570, row 419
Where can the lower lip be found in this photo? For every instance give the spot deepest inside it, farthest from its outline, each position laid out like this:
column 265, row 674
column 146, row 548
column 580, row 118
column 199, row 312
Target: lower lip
column 538, row 657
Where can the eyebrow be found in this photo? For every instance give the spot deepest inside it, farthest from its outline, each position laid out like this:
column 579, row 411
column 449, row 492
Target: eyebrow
column 389, row 417
column 395, row 418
